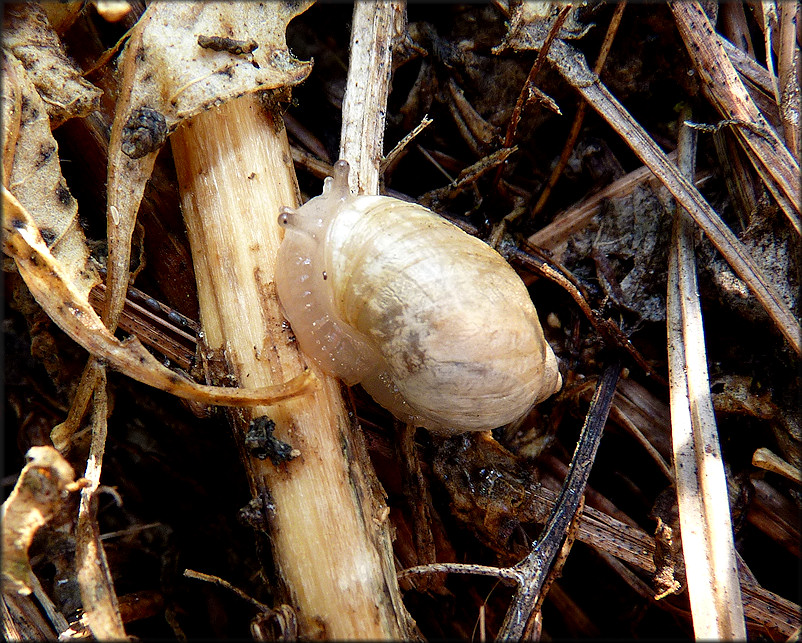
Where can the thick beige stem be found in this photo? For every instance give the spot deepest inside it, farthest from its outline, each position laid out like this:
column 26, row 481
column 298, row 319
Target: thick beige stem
column 324, row 509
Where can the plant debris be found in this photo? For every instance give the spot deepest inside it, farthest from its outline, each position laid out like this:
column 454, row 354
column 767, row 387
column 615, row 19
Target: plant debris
column 37, row 497
column 557, row 143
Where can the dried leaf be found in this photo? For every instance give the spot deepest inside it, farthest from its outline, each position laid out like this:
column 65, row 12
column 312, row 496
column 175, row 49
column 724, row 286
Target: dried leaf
column 670, row 575
column 11, row 106
column 38, row 494
column 169, row 77
column 28, row 36
column 167, row 70
column 46, row 279
column 34, row 175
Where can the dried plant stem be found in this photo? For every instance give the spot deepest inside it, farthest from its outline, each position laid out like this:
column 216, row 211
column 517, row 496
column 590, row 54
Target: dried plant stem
column 579, row 118
column 100, row 605
column 707, row 540
column 322, row 509
column 772, row 160
column 682, row 189
column 375, row 27
column 526, row 90
column 561, row 526
column 554, row 236
column 766, row 459
column 573, row 67
column 790, row 76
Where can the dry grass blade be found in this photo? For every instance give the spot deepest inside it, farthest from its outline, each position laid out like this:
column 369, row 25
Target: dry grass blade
column 774, row 163
column 63, row 432
column 748, row 67
column 707, row 539
column 689, row 197
column 790, row 76
column 572, row 65
column 376, row 26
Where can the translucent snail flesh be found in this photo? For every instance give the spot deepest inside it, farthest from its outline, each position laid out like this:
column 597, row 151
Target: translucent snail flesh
column 435, row 324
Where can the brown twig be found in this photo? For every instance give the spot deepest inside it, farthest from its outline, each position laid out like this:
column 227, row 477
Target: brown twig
column 526, row 91
column 537, row 261
column 579, row 118
column 537, row 564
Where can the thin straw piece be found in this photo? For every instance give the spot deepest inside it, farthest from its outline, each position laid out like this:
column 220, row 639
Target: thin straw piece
column 376, row 25
column 707, row 540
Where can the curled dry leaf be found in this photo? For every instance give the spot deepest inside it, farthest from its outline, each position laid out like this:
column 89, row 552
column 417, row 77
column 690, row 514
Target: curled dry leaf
column 169, row 77
column 28, row 36
column 38, row 494
column 10, row 113
column 33, row 175
column 48, row 283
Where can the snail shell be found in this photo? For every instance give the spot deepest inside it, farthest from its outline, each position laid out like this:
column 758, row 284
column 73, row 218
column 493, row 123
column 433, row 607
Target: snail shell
column 435, row 324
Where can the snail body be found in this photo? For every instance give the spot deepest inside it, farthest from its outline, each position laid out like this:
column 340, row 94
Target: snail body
column 435, row 324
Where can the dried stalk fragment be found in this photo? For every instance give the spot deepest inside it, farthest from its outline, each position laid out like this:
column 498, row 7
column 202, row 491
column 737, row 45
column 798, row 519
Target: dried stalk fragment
column 572, row 65
column 771, row 158
column 34, row 176
column 330, row 545
column 101, row 609
column 376, row 26
column 168, row 77
column 706, row 527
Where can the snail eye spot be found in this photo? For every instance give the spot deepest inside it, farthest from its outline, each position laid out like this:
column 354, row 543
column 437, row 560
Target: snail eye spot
column 283, row 219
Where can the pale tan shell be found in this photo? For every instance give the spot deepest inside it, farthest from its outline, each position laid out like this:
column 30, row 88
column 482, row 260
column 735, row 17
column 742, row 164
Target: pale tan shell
column 434, row 323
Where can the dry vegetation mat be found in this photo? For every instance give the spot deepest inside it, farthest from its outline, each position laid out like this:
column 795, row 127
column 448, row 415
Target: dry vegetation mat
column 188, row 455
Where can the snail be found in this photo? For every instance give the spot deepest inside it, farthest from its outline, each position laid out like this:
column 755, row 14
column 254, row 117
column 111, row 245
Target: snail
column 434, row 324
